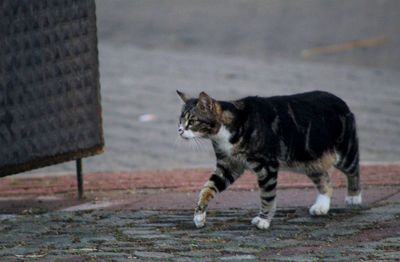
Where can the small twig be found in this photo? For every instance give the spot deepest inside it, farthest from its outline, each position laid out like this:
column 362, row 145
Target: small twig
column 370, row 42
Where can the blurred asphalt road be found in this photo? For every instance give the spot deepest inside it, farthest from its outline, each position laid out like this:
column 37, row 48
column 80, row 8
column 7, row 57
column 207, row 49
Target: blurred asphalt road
column 234, row 48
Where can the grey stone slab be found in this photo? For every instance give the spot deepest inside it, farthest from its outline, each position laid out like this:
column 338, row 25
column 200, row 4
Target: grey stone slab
column 297, row 258
column 97, row 239
column 153, row 255
column 239, row 258
column 232, row 248
column 7, row 217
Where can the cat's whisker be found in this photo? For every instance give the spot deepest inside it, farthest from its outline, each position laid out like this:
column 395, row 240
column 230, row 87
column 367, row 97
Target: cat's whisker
column 178, row 142
column 193, row 141
column 201, row 144
column 188, row 144
column 195, row 144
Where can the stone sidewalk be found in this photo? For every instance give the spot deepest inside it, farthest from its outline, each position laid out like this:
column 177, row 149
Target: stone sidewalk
column 369, row 234
column 147, row 216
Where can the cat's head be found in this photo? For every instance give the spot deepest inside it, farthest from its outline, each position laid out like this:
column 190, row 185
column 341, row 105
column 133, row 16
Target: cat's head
column 199, row 117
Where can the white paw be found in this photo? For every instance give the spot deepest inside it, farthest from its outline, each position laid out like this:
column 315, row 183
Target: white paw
column 199, row 219
column 260, row 223
column 321, row 206
column 353, row 200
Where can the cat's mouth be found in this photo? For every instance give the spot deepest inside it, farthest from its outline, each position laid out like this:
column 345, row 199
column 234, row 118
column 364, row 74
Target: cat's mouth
column 189, row 134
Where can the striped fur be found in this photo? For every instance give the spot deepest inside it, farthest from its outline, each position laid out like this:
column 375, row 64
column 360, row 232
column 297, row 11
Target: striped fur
column 312, row 131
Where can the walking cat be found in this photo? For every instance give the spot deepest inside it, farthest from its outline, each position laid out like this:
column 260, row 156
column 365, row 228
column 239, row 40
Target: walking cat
column 312, row 131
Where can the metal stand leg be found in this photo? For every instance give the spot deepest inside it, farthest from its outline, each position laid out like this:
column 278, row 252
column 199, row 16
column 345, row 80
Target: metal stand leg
column 79, row 178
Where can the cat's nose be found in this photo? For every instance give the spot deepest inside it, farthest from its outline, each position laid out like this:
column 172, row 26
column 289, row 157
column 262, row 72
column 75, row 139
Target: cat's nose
column 180, row 130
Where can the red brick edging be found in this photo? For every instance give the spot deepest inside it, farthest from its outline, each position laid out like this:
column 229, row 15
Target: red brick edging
column 178, row 180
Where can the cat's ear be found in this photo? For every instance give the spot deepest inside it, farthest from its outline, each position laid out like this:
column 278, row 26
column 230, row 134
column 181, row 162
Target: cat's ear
column 183, row 96
column 205, row 103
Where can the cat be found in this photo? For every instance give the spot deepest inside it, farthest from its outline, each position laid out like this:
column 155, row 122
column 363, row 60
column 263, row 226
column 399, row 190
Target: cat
column 312, row 131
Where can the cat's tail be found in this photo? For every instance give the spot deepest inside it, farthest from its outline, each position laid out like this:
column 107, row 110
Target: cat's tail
column 347, row 146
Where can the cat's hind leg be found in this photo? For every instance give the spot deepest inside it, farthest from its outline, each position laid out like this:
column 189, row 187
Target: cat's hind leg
column 267, row 173
column 353, row 197
column 349, row 165
column 324, row 187
column 348, row 154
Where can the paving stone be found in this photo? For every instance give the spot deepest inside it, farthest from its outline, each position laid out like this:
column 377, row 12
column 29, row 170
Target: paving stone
column 389, row 256
column 4, row 218
column 108, row 255
column 242, row 250
column 17, row 251
column 159, row 225
column 188, row 259
column 145, row 234
column 239, row 258
column 283, row 243
column 156, row 255
column 297, row 258
column 195, row 253
column 124, row 259
column 139, row 231
column 170, row 244
column 98, row 240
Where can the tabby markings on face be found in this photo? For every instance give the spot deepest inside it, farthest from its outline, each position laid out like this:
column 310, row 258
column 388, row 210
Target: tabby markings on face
column 199, row 119
column 186, row 125
column 187, row 133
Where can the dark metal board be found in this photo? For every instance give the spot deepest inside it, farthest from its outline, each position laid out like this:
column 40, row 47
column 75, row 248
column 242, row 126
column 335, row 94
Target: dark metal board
column 50, row 109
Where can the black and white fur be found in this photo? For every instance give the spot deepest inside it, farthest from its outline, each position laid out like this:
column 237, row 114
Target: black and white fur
column 312, row 131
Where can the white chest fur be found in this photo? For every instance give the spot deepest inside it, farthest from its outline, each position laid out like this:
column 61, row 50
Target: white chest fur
column 222, row 140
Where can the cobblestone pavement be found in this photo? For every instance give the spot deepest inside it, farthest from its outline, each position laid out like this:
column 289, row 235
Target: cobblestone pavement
column 344, row 235
column 135, row 217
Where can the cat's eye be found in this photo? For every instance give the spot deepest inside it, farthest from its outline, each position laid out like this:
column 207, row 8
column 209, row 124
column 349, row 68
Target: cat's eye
column 203, row 121
column 191, row 121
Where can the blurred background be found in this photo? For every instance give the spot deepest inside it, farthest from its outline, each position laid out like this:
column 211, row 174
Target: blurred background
column 234, row 48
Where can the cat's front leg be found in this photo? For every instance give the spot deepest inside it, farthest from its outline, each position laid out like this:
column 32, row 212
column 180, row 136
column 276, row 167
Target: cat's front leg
column 218, row 182
column 206, row 194
column 267, row 172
